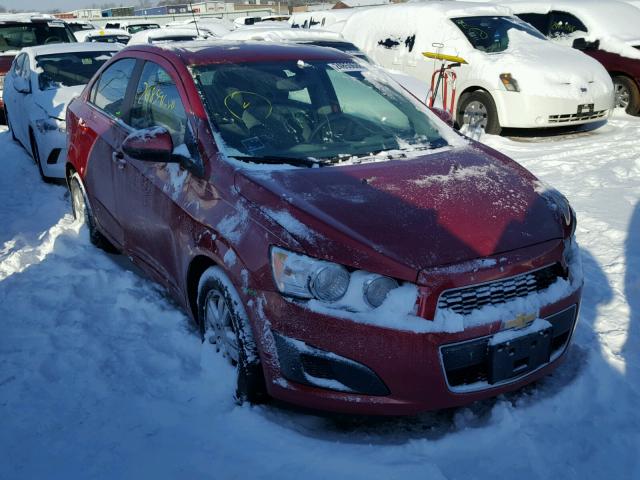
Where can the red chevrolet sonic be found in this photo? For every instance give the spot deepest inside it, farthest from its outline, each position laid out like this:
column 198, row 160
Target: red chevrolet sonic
column 341, row 245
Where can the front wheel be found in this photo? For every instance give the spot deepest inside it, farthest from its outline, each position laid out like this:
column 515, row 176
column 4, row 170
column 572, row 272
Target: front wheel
column 478, row 111
column 627, row 94
column 224, row 323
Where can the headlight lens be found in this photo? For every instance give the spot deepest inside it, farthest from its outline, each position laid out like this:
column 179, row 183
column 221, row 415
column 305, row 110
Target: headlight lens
column 305, row 277
column 377, row 288
column 509, row 82
column 329, row 283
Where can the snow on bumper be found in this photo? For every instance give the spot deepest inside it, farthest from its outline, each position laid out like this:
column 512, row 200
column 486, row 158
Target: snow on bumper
column 520, row 110
column 53, row 152
column 333, row 362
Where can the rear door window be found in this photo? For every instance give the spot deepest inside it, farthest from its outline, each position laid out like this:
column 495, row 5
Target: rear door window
column 110, row 90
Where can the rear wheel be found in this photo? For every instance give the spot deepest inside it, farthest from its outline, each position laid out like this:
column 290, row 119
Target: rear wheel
column 225, row 324
column 478, row 111
column 627, row 94
column 82, row 213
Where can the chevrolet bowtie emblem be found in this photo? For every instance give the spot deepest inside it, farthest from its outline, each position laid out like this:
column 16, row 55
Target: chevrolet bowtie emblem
column 583, row 89
column 521, row 321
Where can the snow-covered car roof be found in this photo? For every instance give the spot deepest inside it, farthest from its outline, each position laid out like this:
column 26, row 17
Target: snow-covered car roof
column 165, row 34
column 84, row 35
column 55, row 48
column 449, row 9
column 27, row 17
column 610, row 18
column 284, row 35
column 213, row 26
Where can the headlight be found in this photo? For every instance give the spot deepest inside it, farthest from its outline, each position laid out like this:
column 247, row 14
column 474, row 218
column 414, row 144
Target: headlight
column 51, row 124
column 305, row 277
column 559, row 202
column 377, row 288
column 509, row 82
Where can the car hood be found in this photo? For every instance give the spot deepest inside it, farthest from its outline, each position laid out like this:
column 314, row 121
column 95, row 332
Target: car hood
column 567, row 72
column 54, row 101
column 443, row 208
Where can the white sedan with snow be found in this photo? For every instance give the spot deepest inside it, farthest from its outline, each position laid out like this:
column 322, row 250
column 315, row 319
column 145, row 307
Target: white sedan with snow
column 41, row 83
column 514, row 77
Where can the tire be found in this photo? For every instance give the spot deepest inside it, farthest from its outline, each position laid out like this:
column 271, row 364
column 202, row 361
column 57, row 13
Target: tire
column 219, row 302
column 627, row 94
column 35, row 154
column 481, row 105
column 82, row 212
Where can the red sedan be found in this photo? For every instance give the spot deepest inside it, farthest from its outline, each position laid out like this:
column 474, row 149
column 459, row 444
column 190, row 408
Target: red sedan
column 342, row 246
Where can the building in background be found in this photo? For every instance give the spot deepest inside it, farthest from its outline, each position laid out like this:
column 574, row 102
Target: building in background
column 118, row 12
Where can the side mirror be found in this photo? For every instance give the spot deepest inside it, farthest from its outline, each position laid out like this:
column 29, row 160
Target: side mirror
column 150, row 144
column 443, row 115
column 582, row 44
column 22, row 85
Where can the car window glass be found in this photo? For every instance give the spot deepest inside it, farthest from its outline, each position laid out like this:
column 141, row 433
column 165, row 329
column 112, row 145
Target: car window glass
column 25, row 71
column 564, row 24
column 157, row 103
column 538, row 20
column 111, row 87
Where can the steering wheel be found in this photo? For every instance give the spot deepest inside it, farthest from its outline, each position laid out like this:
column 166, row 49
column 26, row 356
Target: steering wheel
column 52, row 39
column 323, row 123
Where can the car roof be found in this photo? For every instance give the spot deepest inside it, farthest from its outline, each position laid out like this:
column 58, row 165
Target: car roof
column 446, row 9
column 72, row 47
column 202, row 52
column 285, row 34
column 99, row 32
column 27, row 18
column 148, row 36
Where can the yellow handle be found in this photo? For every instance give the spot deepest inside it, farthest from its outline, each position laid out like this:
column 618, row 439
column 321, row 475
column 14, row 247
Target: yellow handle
column 441, row 56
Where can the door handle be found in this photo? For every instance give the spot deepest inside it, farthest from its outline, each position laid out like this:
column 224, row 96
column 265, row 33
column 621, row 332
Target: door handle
column 117, row 157
column 82, row 125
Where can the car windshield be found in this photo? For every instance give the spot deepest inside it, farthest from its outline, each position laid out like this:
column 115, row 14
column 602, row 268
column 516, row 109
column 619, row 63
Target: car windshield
column 490, row 34
column 319, row 110
column 140, row 27
column 69, row 69
column 15, row 36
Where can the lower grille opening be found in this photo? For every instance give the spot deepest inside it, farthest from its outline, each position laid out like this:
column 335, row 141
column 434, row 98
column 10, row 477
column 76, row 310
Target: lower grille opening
column 469, row 363
column 53, row 156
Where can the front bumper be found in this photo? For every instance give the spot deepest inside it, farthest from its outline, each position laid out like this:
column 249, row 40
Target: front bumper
column 520, row 110
column 403, row 372
column 52, row 146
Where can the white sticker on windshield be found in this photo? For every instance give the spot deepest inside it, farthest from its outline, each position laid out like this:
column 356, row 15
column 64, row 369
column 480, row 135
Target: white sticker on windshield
column 347, row 67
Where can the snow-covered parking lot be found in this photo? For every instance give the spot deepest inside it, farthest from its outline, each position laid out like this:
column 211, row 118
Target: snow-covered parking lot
column 102, row 377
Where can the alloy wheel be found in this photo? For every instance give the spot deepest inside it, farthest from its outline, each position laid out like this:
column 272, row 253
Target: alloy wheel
column 219, row 326
column 475, row 115
column 623, row 95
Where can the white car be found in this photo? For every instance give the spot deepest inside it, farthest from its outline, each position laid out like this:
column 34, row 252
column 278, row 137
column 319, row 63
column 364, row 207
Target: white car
column 103, row 35
column 41, row 83
column 163, row 35
column 134, row 27
column 514, row 76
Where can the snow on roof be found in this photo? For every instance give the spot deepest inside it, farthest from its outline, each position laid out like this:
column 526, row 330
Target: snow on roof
column 159, row 34
column 72, row 47
column 82, row 35
column 363, row 3
column 611, row 18
column 448, row 9
column 26, row 17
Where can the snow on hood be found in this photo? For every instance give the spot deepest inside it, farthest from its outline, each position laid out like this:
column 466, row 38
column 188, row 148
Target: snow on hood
column 440, row 209
column 543, row 68
column 54, row 101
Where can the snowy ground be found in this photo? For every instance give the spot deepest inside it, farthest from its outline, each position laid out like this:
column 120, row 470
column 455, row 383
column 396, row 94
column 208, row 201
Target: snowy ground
column 102, row 377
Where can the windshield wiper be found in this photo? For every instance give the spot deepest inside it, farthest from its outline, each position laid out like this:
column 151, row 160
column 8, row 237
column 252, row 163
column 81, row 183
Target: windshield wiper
column 275, row 159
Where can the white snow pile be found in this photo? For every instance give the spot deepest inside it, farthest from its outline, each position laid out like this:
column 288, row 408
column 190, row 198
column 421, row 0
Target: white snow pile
column 102, row 377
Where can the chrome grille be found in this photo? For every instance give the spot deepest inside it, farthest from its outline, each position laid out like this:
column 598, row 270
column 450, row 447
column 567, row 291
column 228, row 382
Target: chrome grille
column 466, row 300
column 573, row 117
